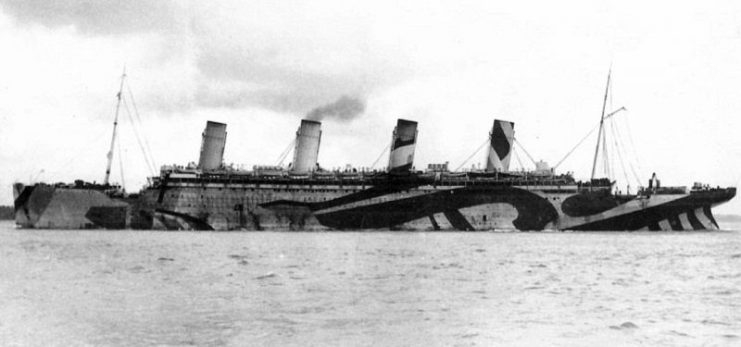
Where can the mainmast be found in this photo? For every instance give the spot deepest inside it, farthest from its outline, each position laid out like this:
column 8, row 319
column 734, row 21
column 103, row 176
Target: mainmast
column 601, row 123
column 115, row 125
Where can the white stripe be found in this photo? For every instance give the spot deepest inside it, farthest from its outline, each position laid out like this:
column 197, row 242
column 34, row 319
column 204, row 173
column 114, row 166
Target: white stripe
column 495, row 163
column 442, row 221
column 509, row 133
column 401, row 156
column 686, row 225
column 664, row 225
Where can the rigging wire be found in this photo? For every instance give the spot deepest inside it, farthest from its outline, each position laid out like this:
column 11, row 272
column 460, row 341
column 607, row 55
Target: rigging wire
column 612, row 81
column 608, row 116
column 35, row 178
column 380, row 155
column 618, row 149
column 577, row 145
column 606, row 158
column 637, row 172
column 624, row 153
column 138, row 139
column 517, row 157
column 136, row 112
column 121, row 167
column 471, row 156
column 284, row 154
column 633, row 149
column 524, row 150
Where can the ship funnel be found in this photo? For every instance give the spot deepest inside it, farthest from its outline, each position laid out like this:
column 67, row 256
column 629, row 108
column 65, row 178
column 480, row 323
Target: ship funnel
column 403, row 141
column 308, row 136
column 501, row 139
column 212, row 146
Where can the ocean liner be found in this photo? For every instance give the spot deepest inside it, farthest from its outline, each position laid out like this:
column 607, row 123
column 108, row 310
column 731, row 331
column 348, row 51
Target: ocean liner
column 209, row 196
column 305, row 197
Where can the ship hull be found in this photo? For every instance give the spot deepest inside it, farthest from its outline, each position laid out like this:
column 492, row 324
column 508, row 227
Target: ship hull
column 42, row 206
column 675, row 212
column 408, row 206
column 383, row 205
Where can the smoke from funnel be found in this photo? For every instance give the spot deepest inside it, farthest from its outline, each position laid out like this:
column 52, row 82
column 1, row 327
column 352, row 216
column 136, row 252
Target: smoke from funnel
column 345, row 109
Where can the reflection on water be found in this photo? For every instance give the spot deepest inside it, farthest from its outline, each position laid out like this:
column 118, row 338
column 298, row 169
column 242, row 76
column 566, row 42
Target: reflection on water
column 385, row 288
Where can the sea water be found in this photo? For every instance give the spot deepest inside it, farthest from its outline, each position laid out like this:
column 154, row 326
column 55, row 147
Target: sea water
column 129, row 288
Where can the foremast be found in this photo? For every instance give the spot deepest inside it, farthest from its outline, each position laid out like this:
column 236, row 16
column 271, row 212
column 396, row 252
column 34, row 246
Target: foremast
column 601, row 124
column 115, row 126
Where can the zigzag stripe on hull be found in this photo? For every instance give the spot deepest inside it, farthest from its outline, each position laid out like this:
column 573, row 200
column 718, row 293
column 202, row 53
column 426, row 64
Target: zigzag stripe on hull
column 685, row 221
column 706, row 223
column 664, row 225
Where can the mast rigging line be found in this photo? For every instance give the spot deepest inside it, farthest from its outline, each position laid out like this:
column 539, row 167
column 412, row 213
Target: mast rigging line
column 633, row 152
column 138, row 139
column 471, row 156
column 632, row 144
column 136, row 113
column 605, row 157
column 283, row 155
column 608, row 116
column 517, row 157
column 120, row 164
column 577, row 145
column 526, row 153
column 380, row 155
column 615, row 140
column 614, row 112
column 622, row 152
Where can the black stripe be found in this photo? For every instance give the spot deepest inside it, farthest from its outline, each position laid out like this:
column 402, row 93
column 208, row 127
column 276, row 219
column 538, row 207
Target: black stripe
column 163, row 187
column 434, row 223
column 696, row 224
column 22, row 198
column 169, row 223
column 108, row 217
column 399, row 142
column 499, row 141
column 654, row 226
column 195, row 223
column 458, row 221
column 675, row 223
column 405, row 123
column 533, row 211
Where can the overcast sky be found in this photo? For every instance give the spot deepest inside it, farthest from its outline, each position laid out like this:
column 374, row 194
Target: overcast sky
column 260, row 66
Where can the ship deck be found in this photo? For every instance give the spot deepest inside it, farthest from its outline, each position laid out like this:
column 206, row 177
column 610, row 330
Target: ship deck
column 463, row 179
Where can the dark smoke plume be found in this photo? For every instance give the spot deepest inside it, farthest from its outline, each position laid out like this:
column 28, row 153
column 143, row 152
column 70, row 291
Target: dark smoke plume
column 345, row 108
